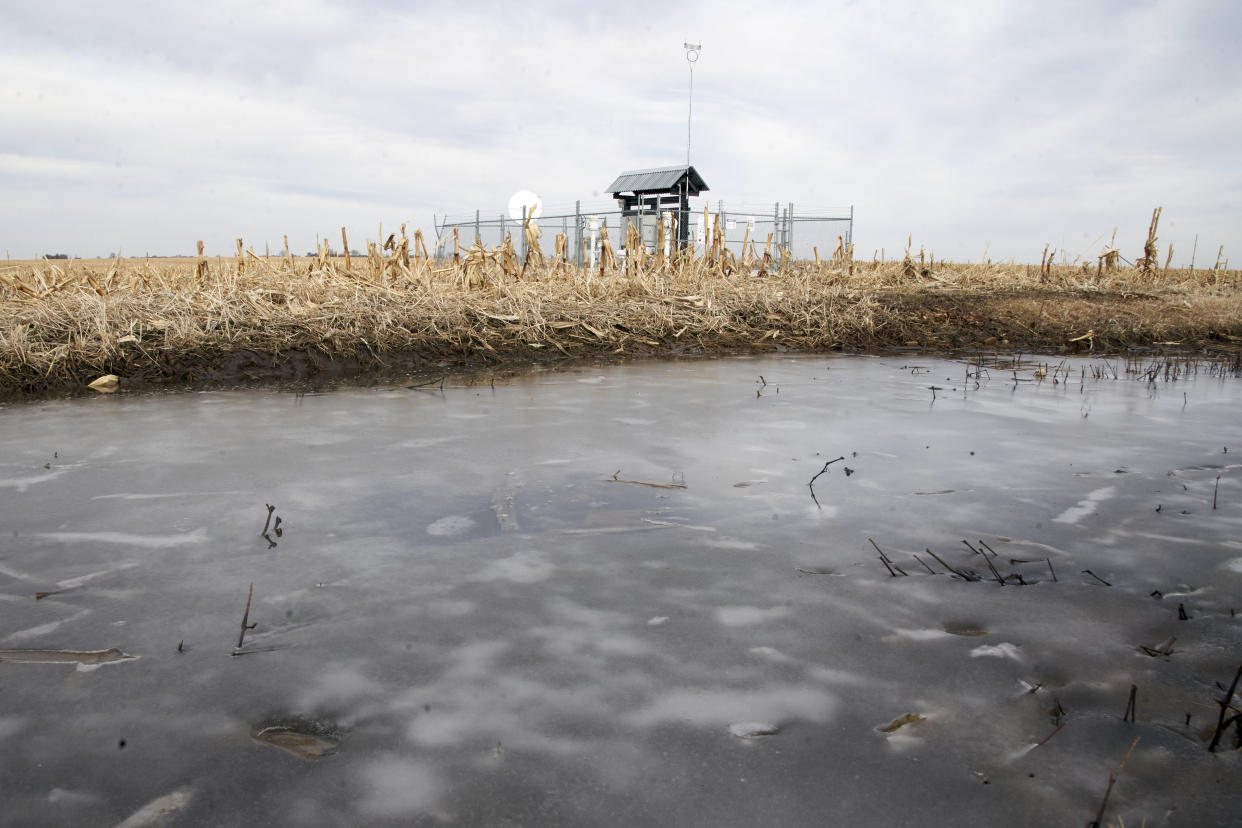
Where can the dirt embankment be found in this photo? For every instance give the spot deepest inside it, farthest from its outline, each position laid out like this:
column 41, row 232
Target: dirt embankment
column 149, row 323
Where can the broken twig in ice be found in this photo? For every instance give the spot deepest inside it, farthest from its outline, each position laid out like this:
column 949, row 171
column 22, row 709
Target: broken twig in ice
column 965, row 576
column 811, row 484
column 245, row 625
column 1223, row 722
column 1112, row 780
column 888, row 563
column 1097, row 577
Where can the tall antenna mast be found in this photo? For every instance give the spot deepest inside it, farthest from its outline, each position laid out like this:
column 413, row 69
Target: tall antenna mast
column 692, row 57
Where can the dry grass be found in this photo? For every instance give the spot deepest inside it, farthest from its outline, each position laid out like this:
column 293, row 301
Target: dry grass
column 63, row 323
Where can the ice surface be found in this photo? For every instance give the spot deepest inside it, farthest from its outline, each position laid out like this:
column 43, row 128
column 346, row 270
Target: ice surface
column 506, row 634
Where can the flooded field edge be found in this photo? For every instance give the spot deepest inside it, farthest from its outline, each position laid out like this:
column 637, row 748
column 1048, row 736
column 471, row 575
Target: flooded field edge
column 775, row 589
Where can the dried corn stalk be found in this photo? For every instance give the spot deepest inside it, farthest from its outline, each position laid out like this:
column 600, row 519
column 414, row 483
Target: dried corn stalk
column 534, row 253
column 607, row 259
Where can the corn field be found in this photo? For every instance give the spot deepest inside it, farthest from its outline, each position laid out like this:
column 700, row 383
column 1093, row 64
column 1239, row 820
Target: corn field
column 65, row 323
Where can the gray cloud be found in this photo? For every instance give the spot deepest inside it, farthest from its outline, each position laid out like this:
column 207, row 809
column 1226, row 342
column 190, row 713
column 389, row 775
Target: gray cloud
column 999, row 127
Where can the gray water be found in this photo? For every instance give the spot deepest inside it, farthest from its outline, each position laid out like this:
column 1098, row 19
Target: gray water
column 486, row 614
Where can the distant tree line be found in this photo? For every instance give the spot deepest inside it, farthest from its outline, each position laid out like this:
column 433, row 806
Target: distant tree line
column 56, row 255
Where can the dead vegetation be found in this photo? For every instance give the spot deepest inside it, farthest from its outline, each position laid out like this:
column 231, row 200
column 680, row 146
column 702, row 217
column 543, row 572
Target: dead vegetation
column 65, row 323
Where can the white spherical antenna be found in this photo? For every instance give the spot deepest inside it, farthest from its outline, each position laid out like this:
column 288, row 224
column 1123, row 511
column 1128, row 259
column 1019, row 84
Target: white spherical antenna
column 524, row 200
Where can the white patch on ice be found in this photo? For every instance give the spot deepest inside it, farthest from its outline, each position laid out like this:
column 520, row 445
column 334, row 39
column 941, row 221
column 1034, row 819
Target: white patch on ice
column 522, row 568
column 396, row 787
column 829, row 676
column 338, row 685
column 730, row 543
column 1120, row 535
column 1234, row 565
column 145, row 541
column 746, row 616
column 1005, row 650
column 21, row 484
column 1086, row 506
column 587, row 631
column 44, row 629
column 749, row 730
column 451, row 525
column 917, row 635
column 8, row 572
column 59, row 795
column 659, row 620
column 428, row 442
column 451, row 608
column 772, row 654
column 158, row 495
column 903, row 739
column 592, row 380
column 70, row 583
column 1015, row 755
column 634, row 421
column 782, row 425
column 10, row 726
column 723, row 707
column 158, row 811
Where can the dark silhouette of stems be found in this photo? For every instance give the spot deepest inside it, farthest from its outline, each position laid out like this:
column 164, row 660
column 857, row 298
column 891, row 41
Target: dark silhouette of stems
column 811, row 485
column 1112, row 780
column 1223, row 723
column 245, row 625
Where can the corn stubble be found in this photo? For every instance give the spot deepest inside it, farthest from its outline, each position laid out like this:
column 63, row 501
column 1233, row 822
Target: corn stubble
column 62, row 324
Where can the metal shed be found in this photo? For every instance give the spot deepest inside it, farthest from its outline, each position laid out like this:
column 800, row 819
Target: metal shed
column 644, row 194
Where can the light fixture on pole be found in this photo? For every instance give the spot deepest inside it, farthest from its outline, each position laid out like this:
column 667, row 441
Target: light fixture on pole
column 692, row 57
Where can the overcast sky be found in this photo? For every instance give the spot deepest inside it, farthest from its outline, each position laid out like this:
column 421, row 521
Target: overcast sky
column 982, row 128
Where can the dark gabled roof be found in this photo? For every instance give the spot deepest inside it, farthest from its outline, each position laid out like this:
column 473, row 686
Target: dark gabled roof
column 657, row 179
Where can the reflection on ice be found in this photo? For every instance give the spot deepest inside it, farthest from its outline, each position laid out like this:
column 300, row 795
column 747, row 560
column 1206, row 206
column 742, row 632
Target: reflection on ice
column 395, row 787
column 746, row 616
column 1085, row 507
column 503, row 631
column 129, row 539
column 781, row 703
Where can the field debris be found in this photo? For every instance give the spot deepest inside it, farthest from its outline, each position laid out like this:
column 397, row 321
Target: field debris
column 106, row 384
column 676, row 483
column 159, row 811
column 901, row 721
column 303, row 738
column 84, row 659
column 752, row 730
column 281, row 317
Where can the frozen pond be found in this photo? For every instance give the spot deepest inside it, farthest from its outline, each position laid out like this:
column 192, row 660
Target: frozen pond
column 479, row 610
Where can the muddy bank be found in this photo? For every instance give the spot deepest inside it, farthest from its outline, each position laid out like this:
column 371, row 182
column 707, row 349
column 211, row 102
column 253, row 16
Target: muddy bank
column 175, row 327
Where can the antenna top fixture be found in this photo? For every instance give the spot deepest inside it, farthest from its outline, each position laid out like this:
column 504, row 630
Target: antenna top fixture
column 692, row 51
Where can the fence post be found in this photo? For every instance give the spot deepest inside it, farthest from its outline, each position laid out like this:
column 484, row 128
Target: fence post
column 776, row 223
column 789, row 235
column 578, row 233
column 849, row 236
column 524, row 232
column 476, row 225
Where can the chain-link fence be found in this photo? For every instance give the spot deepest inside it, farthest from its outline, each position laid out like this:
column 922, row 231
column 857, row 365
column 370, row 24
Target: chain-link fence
column 803, row 233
